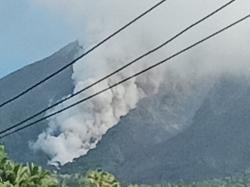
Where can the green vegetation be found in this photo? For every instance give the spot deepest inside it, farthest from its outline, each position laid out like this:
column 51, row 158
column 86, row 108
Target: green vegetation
column 17, row 175
column 13, row 174
column 103, row 179
column 95, row 178
column 227, row 182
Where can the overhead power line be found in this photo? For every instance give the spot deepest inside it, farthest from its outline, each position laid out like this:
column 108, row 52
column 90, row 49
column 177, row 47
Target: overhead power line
column 128, row 78
column 83, row 55
column 121, row 68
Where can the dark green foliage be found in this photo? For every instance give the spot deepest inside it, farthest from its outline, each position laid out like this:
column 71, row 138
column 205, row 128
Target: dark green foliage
column 93, row 178
column 29, row 175
column 99, row 178
column 242, row 181
column 75, row 180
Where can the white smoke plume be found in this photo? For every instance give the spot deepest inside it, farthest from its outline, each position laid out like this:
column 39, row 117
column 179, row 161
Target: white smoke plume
column 75, row 132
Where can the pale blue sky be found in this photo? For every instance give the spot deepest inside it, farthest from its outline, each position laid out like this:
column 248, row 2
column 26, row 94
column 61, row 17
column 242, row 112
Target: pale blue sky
column 29, row 33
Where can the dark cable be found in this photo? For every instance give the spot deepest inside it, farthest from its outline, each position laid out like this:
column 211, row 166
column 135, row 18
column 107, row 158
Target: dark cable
column 121, row 68
column 128, row 78
column 81, row 56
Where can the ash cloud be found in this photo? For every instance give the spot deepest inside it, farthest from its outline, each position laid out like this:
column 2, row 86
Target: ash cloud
column 73, row 133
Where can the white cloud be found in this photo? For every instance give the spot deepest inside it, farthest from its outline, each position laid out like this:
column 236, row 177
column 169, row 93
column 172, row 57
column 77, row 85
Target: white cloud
column 75, row 132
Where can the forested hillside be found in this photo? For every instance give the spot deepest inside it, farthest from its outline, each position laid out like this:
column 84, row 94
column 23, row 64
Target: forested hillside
column 215, row 144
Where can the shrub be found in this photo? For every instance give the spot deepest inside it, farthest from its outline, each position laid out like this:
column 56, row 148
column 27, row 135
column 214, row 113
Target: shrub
column 29, row 175
column 98, row 178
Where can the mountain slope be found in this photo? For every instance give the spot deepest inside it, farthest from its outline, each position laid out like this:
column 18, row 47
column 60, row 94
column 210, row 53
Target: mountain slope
column 216, row 143
column 39, row 98
column 171, row 136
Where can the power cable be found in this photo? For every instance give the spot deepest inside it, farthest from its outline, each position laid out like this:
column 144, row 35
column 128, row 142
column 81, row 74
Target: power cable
column 121, row 68
column 126, row 79
column 81, row 56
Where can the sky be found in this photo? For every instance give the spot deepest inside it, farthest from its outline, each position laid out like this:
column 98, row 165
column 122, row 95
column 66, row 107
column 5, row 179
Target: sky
column 29, row 33
column 31, row 30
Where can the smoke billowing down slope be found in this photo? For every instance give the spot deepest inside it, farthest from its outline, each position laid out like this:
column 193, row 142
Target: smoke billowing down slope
column 73, row 133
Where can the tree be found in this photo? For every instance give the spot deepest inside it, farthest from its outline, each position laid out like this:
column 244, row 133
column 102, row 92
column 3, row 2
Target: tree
column 16, row 175
column 99, row 178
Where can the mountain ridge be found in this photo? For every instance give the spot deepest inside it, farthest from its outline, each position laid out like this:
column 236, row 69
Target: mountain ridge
column 204, row 150
column 143, row 147
column 25, row 106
